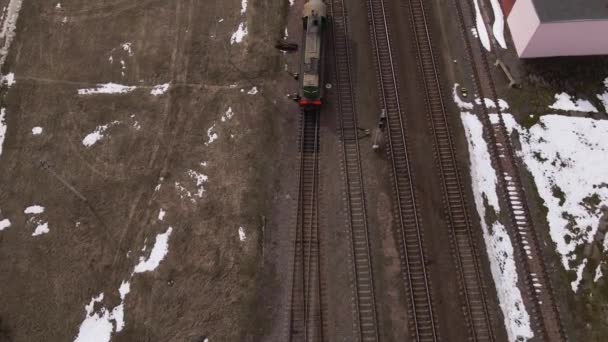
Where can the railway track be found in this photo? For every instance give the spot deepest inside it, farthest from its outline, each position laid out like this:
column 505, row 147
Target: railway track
column 538, row 294
column 365, row 302
column 422, row 321
column 472, row 287
column 306, row 312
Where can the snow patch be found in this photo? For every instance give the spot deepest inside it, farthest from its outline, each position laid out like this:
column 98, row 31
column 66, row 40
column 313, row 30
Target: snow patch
column 200, row 179
column 37, row 130
column 211, row 134
column 4, row 224
column 161, row 215
column 7, row 32
column 158, row 253
column 459, row 102
column 579, row 276
column 565, row 102
column 96, row 327
column 41, row 228
column 183, row 192
column 228, row 115
column 118, row 312
column 604, row 96
column 242, row 235
column 127, row 47
column 598, row 273
column 93, row 137
column 8, row 79
column 3, row 127
column 481, row 27
column 499, row 24
column 253, row 91
column 159, row 89
column 107, row 88
column 239, row 34
column 34, row 209
column 243, row 6
column 491, row 104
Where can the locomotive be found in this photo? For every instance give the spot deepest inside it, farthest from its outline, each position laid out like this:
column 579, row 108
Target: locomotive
column 314, row 19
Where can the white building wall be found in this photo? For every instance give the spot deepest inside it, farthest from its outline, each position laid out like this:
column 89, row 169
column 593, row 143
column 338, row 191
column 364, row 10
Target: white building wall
column 568, row 38
column 523, row 23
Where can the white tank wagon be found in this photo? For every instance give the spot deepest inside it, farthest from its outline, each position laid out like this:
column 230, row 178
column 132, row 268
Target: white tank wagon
column 314, row 19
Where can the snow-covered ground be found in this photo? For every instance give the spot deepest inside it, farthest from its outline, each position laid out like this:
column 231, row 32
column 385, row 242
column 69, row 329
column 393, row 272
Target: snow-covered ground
column 9, row 18
column 211, row 134
column 200, row 180
column 9, row 24
column 160, row 249
column 93, row 137
column 228, row 115
column 604, row 96
column 498, row 28
column 565, row 102
column 34, row 211
column 107, row 88
column 2, row 127
column 128, row 48
column 41, row 228
column 115, row 88
column 242, row 235
column 239, row 34
column 568, row 158
column 482, row 33
column 8, row 79
column 159, row 89
column 498, row 243
column 4, row 223
column 253, row 91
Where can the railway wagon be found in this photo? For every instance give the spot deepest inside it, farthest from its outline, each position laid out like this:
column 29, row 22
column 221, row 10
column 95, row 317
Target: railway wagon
column 314, row 19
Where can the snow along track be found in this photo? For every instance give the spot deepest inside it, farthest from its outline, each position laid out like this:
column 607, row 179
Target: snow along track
column 538, row 292
column 475, row 306
column 423, row 324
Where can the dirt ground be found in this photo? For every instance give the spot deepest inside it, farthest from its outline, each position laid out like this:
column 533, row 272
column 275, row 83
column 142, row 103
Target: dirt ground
column 219, row 158
column 147, row 161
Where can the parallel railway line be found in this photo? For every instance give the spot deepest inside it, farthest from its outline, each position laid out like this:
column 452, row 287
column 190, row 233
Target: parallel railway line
column 423, row 324
column 365, row 302
column 538, row 294
column 306, row 311
column 474, row 302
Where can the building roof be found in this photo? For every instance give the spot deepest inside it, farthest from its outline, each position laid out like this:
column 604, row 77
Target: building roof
column 571, row 10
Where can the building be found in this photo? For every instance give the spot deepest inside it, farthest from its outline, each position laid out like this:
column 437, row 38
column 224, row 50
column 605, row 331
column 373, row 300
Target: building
column 546, row 28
